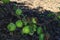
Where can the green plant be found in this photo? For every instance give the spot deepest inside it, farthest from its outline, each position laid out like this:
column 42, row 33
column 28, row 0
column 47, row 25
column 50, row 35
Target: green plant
column 19, row 23
column 26, row 30
column 24, row 20
column 41, row 37
column 11, row 27
column 34, row 20
column 5, row 1
column 32, row 29
column 18, row 12
column 39, row 30
column 40, row 33
column 58, row 15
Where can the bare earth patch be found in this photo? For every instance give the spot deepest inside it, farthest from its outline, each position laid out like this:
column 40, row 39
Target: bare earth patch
column 52, row 5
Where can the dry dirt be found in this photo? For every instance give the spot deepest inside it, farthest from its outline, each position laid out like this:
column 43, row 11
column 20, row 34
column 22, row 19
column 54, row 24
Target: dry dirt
column 52, row 5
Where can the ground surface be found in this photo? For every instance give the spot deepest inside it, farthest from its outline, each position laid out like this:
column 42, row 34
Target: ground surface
column 51, row 5
column 6, row 16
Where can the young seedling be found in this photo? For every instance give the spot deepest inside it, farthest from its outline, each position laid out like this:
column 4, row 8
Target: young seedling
column 24, row 20
column 59, row 17
column 19, row 23
column 5, row 1
column 33, row 29
column 41, row 37
column 11, row 27
column 39, row 30
column 26, row 30
column 18, row 12
column 34, row 20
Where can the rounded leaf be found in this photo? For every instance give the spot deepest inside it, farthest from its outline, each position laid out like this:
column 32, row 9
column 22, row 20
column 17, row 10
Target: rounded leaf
column 39, row 30
column 11, row 27
column 41, row 37
column 19, row 23
column 33, row 20
column 26, row 30
column 18, row 12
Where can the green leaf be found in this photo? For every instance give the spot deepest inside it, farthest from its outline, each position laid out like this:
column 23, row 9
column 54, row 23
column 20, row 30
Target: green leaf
column 19, row 23
column 33, row 29
column 58, row 17
column 33, row 20
column 41, row 37
column 26, row 30
column 11, row 27
column 5, row 1
column 39, row 30
column 18, row 12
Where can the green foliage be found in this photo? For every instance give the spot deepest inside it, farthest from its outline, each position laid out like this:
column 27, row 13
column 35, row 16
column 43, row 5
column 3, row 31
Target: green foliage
column 5, row 1
column 51, row 15
column 39, row 30
column 26, row 30
column 11, row 27
column 41, row 37
column 34, row 20
column 19, row 23
column 32, row 29
column 58, row 15
column 24, row 20
column 18, row 12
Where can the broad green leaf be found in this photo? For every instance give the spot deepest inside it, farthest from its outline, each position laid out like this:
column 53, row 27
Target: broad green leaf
column 39, row 30
column 26, row 30
column 33, row 29
column 41, row 37
column 11, row 27
column 19, row 23
column 33, row 20
column 18, row 12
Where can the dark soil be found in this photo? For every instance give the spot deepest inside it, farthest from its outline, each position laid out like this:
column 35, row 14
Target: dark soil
column 7, row 15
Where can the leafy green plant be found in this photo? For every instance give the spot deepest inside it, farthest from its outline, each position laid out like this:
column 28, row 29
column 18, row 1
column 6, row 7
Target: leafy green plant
column 40, row 33
column 19, row 23
column 5, row 1
column 32, row 29
column 58, row 17
column 18, row 12
column 11, row 27
column 26, row 30
column 41, row 37
column 34, row 20
column 24, row 20
column 39, row 30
